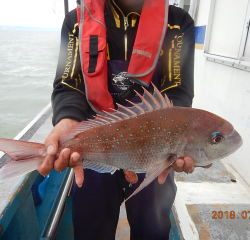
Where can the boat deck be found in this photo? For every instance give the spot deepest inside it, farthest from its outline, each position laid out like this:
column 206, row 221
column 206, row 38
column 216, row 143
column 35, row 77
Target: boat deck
column 213, row 203
column 210, row 203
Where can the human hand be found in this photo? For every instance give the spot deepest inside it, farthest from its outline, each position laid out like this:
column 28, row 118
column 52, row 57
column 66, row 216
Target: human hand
column 131, row 177
column 180, row 165
column 66, row 158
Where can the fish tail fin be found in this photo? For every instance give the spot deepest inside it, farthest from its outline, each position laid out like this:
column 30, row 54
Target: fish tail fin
column 25, row 157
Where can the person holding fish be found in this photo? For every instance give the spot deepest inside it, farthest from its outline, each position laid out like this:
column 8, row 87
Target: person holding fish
column 149, row 41
column 118, row 60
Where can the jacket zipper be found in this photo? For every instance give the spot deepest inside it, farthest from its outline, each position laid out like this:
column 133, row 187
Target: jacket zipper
column 126, row 24
column 126, row 37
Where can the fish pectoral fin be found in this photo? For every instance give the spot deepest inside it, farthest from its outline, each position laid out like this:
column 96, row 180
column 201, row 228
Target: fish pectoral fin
column 99, row 167
column 152, row 174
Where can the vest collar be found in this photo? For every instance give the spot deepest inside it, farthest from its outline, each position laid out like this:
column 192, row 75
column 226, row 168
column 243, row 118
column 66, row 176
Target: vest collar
column 118, row 14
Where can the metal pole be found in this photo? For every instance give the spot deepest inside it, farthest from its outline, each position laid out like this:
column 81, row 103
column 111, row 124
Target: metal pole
column 54, row 217
column 66, row 6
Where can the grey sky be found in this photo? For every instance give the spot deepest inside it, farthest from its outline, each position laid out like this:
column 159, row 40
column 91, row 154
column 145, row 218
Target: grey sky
column 43, row 13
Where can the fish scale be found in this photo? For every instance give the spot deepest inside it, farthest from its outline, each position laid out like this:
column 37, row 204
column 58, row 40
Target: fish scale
column 147, row 137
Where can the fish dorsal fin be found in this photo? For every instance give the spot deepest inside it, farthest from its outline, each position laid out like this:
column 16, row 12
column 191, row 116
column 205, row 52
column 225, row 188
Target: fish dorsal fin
column 120, row 114
column 78, row 128
column 136, row 108
column 148, row 103
column 165, row 103
column 169, row 103
column 113, row 116
column 99, row 118
column 151, row 99
column 144, row 103
column 126, row 110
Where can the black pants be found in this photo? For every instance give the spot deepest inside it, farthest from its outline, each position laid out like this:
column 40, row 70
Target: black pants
column 96, row 207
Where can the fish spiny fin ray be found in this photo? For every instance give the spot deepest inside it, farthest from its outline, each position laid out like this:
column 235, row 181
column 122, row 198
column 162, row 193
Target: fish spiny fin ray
column 169, row 103
column 99, row 167
column 136, row 108
column 102, row 117
column 144, row 103
column 152, row 102
column 99, row 118
column 120, row 114
column 114, row 116
column 152, row 174
column 126, row 110
column 151, row 99
column 158, row 96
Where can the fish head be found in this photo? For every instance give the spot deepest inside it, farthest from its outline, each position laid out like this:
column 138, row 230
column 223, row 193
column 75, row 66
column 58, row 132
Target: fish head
column 210, row 138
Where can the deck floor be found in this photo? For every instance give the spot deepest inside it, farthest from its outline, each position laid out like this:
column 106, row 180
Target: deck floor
column 215, row 203
column 123, row 229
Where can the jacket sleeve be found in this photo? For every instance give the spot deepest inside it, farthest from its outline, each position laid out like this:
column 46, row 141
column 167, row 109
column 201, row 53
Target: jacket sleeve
column 178, row 58
column 68, row 97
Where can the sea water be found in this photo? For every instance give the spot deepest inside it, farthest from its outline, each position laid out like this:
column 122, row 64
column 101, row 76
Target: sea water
column 28, row 61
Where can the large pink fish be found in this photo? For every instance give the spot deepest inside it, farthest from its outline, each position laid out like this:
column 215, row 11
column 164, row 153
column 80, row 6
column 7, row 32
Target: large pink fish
column 147, row 137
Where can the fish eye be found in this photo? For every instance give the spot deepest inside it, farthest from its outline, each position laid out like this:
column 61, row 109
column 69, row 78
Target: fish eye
column 217, row 138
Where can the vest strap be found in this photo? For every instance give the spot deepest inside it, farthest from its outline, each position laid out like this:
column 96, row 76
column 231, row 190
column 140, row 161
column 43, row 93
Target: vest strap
column 93, row 53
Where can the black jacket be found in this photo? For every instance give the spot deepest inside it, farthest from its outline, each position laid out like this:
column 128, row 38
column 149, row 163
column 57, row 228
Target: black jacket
column 177, row 57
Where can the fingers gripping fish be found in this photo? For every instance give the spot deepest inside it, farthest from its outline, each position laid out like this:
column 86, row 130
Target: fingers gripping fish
column 147, row 137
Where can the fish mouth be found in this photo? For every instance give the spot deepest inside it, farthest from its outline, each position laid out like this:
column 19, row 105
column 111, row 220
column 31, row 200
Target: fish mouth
column 226, row 154
column 235, row 148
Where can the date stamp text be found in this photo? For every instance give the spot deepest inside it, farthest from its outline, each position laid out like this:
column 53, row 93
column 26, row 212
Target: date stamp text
column 230, row 215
